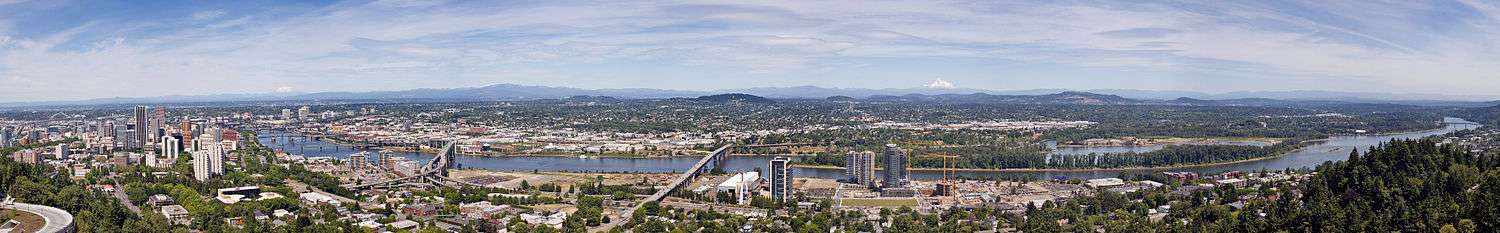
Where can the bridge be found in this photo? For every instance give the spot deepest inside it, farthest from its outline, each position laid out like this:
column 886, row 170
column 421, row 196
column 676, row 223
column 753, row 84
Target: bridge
column 435, row 171
column 713, row 161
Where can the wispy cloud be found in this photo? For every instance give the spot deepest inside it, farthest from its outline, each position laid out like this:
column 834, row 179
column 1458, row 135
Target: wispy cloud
column 384, row 45
column 208, row 14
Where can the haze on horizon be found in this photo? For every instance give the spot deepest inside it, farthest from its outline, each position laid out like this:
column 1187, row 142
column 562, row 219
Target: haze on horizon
column 70, row 50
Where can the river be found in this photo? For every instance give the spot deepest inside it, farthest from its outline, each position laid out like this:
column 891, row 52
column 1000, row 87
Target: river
column 1334, row 149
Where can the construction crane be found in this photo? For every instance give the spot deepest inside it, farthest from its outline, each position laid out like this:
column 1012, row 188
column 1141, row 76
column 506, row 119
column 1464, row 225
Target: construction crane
column 949, row 184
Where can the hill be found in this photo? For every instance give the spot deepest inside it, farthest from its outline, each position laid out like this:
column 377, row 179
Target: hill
column 735, row 97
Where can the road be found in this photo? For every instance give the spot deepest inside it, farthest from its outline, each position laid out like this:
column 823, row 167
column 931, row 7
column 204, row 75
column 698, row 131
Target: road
column 119, row 193
column 57, row 219
column 681, row 180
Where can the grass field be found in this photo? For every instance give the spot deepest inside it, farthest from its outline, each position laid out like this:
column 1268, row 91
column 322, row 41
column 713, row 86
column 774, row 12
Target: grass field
column 879, row 202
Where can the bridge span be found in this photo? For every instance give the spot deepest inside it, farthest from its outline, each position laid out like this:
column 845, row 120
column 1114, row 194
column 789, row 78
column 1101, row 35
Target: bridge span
column 434, row 171
column 713, row 161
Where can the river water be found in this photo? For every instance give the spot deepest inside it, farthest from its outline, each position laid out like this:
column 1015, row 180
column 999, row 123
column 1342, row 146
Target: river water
column 1083, row 150
column 1334, row 149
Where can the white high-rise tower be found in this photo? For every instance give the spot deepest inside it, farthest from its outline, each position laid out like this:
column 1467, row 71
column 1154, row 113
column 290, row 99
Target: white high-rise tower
column 215, row 153
column 170, row 148
column 201, row 168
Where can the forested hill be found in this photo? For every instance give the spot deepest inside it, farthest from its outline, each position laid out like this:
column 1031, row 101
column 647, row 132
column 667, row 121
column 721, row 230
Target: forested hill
column 735, row 97
column 45, row 185
column 1411, row 186
column 1486, row 115
column 1400, row 186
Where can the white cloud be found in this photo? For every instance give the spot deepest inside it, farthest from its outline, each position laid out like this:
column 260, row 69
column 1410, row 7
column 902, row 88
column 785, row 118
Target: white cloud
column 408, row 44
column 207, row 15
column 9, row 2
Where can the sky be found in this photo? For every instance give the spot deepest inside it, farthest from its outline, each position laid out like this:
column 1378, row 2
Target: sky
column 70, row 50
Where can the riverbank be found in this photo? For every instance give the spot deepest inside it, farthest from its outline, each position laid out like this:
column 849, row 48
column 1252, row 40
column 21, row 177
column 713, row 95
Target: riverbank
column 1305, row 145
column 1169, row 141
column 827, row 167
column 1331, row 149
column 340, row 142
column 330, row 140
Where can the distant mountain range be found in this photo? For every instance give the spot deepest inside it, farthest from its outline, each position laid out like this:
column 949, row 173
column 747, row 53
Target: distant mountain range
column 1096, row 96
column 1068, row 97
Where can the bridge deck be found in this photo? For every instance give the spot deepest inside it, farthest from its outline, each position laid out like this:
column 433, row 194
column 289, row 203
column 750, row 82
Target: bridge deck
column 683, row 179
column 433, row 167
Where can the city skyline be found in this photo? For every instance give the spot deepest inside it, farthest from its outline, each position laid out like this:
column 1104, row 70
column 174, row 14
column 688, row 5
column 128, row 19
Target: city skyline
column 65, row 50
column 749, row 116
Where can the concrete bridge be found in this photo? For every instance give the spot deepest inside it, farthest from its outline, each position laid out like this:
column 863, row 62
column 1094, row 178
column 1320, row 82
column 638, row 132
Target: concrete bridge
column 713, row 161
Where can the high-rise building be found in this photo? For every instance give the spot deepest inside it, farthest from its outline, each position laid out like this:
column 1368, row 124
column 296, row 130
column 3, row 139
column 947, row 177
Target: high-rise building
column 896, row 174
column 860, row 166
column 380, row 158
column 130, row 141
column 120, row 135
column 188, row 141
column 170, row 148
column 141, row 128
column 214, row 152
column 107, row 129
column 185, row 127
column 849, row 168
column 61, row 151
column 286, row 113
column 201, row 167
column 357, row 161
column 781, row 179
column 304, row 112
column 5, row 137
column 158, row 123
column 197, row 130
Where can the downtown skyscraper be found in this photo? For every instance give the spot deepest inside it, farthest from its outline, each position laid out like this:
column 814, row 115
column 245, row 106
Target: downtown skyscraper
column 140, row 135
column 158, row 122
column 170, row 148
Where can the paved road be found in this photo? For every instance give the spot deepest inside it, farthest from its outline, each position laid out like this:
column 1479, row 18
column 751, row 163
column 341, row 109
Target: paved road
column 681, row 180
column 119, row 193
column 57, row 219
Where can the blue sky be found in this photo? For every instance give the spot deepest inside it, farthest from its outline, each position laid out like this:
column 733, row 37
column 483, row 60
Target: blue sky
column 65, row 50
